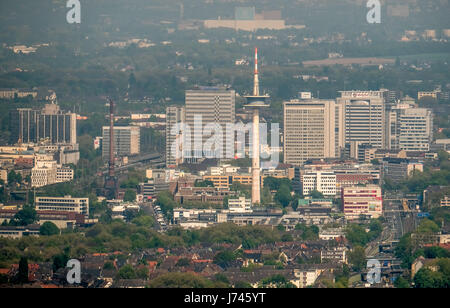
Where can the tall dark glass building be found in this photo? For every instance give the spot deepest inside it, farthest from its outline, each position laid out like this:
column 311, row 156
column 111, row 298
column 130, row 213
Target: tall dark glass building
column 49, row 124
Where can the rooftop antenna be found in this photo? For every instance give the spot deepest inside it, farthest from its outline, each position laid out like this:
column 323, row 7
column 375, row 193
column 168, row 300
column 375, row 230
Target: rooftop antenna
column 256, row 78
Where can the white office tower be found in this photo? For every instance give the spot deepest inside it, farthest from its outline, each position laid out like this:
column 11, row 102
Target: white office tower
column 127, row 141
column 410, row 128
column 174, row 135
column 324, row 182
column 363, row 117
column 213, row 106
column 310, row 130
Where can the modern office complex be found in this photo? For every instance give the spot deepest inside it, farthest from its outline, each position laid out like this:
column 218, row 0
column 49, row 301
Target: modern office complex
column 364, row 117
column 410, row 129
column 64, row 204
column 174, row 153
column 309, row 130
column 324, row 182
column 49, row 124
column 49, row 172
column 213, row 105
column 127, row 141
column 43, row 173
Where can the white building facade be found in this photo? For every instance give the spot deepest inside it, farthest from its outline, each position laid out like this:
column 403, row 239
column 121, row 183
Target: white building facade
column 324, row 182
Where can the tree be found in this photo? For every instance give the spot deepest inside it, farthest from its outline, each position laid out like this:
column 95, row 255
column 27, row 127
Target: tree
column 239, row 187
column 428, row 226
column 144, row 221
column 401, row 283
column 277, row 281
column 23, row 270
column 180, row 280
column 283, row 195
column 221, row 278
column 436, row 252
column 142, row 272
column 242, row 285
column 315, row 194
column 205, row 183
column 60, row 261
column 405, row 250
column 166, row 202
column 223, row 258
column 274, row 184
column 357, row 257
column 183, row 262
column 286, row 238
column 130, row 214
column 375, row 227
column 130, row 196
column 14, row 178
column 48, row 228
column 126, row 272
column 341, row 277
column 308, row 233
column 426, row 278
column 26, row 216
column 357, row 235
column 108, row 266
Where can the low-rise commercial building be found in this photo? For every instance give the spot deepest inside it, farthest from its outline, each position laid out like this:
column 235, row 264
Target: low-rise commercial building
column 365, row 201
column 211, row 195
column 62, row 220
column 152, row 188
column 64, row 204
column 445, row 201
column 19, row 231
column 240, row 205
column 47, row 172
column 397, row 169
column 335, row 254
column 324, row 182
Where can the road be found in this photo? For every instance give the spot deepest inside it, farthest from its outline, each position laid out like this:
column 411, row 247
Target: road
column 393, row 227
column 161, row 223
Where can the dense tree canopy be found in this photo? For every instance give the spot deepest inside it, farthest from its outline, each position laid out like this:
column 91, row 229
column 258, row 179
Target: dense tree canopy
column 48, row 228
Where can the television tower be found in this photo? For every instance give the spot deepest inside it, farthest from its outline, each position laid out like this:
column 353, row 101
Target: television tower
column 254, row 103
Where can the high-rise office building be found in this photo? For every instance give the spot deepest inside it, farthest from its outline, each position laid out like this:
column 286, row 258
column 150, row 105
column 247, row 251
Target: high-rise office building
column 174, row 153
column 391, row 97
column 310, row 130
column 215, row 105
column 49, row 124
column 363, row 117
column 410, row 128
column 127, row 141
